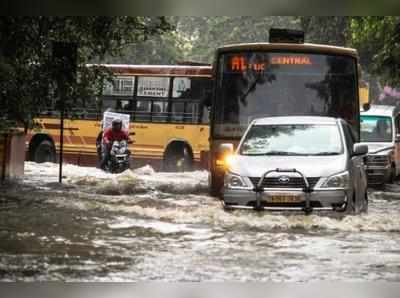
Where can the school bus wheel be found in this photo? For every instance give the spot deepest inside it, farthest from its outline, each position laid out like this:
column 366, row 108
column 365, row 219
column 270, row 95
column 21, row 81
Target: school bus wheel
column 178, row 157
column 43, row 150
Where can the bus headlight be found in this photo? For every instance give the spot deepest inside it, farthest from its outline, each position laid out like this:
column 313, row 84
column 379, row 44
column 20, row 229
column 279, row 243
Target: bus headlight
column 234, row 181
column 340, row 180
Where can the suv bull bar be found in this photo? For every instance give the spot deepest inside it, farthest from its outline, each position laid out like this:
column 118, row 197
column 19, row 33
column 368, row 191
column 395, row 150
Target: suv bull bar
column 259, row 190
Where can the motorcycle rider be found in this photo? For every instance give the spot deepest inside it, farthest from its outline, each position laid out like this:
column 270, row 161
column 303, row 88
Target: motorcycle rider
column 114, row 133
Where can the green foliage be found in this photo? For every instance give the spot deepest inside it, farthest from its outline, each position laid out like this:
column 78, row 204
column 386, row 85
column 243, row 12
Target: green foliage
column 196, row 38
column 27, row 68
column 326, row 30
column 378, row 42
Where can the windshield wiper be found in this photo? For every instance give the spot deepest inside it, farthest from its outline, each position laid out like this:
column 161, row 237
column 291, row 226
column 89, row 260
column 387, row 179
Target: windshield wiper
column 284, row 153
column 326, row 153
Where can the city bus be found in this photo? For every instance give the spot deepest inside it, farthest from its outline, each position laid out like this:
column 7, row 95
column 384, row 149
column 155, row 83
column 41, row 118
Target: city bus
column 283, row 78
column 169, row 119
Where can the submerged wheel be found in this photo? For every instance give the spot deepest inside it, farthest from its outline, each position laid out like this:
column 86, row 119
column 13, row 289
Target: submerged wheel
column 392, row 177
column 215, row 185
column 44, row 152
column 351, row 206
column 365, row 203
column 178, row 158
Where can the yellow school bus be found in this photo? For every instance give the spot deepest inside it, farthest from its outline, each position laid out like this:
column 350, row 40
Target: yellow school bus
column 169, row 120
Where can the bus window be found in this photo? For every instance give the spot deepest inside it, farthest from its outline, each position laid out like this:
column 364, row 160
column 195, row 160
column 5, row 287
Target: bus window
column 109, row 103
column 125, row 105
column 191, row 112
column 188, row 96
column 181, row 88
column 178, row 109
column 187, row 111
column 153, row 87
column 205, row 115
column 160, row 111
column 191, row 88
column 117, row 104
column 143, row 110
column 120, row 86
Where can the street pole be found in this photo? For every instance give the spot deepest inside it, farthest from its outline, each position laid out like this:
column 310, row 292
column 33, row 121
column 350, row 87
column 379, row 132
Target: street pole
column 62, row 97
column 65, row 59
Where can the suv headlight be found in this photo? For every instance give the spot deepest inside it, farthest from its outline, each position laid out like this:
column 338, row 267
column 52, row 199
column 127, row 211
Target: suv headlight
column 234, row 181
column 340, row 180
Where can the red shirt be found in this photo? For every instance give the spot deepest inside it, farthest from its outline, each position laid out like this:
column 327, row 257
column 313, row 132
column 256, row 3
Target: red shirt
column 110, row 136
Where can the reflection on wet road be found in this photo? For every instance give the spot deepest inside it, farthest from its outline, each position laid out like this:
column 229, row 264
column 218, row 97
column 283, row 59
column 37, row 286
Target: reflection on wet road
column 142, row 225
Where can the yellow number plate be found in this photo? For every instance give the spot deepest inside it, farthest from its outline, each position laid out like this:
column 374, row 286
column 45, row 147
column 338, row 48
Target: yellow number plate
column 284, row 199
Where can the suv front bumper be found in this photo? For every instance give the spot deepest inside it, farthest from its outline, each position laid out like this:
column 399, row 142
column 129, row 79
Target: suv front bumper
column 320, row 199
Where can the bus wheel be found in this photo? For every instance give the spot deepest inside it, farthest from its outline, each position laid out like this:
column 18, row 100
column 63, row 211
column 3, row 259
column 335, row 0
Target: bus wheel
column 178, row 158
column 44, row 152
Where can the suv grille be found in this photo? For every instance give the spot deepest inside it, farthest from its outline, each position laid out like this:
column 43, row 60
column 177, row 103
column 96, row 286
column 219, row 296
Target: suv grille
column 377, row 160
column 294, row 182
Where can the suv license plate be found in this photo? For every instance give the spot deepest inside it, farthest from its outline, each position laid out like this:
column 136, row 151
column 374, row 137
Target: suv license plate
column 284, row 198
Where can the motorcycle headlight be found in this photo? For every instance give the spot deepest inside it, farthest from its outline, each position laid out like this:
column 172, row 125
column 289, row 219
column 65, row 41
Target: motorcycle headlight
column 234, row 181
column 340, row 180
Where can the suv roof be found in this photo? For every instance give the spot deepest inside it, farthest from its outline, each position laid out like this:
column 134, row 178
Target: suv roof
column 295, row 120
column 381, row 110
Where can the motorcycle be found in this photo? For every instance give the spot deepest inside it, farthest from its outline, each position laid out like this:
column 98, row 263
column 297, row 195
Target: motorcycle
column 119, row 157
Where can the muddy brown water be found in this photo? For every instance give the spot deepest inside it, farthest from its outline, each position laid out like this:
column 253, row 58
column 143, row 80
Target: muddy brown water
column 143, row 225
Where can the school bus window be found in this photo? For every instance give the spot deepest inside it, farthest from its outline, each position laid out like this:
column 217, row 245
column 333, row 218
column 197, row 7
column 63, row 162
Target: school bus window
column 205, row 115
column 178, row 109
column 109, row 103
column 153, row 87
column 191, row 112
column 181, row 88
column 120, row 86
column 125, row 105
column 160, row 111
column 143, row 110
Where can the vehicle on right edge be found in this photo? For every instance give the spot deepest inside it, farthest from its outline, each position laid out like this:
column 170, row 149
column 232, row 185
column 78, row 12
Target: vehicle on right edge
column 380, row 131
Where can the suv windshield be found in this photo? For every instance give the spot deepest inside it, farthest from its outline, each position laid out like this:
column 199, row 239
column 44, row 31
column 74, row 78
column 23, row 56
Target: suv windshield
column 376, row 129
column 293, row 139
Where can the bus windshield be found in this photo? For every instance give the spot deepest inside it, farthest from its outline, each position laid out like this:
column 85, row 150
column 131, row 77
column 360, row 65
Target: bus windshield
column 260, row 84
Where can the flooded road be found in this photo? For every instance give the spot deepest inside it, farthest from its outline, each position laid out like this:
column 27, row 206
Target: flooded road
column 142, row 225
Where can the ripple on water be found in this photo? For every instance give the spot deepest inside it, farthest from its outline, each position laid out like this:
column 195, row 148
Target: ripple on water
column 162, row 196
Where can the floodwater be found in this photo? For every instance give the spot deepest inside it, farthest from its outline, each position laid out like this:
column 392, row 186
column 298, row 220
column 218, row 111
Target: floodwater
column 143, row 225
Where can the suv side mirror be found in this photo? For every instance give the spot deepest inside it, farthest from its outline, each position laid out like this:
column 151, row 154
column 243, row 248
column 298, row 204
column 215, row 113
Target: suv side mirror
column 360, row 149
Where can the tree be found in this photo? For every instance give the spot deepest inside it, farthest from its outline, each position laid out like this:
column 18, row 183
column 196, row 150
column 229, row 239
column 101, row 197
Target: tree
column 378, row 42
column 196, row 38
column 26, row 65
column 326, row 30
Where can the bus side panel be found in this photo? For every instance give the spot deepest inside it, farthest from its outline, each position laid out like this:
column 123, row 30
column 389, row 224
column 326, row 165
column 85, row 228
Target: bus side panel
column 151, row 141
column 79, row 139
